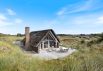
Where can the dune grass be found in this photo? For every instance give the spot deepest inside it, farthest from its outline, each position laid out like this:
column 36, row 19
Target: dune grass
column 13, row 59
column 79, row 61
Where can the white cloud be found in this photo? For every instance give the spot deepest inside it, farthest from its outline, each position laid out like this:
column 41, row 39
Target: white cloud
column 2, row 17
column 11, row 12
column 86, row 5
column 100, row 20
column 6, row 21
column 3, row 20
column 77, row 7
column 61, row 12
column 18, row 21
column 91, row 21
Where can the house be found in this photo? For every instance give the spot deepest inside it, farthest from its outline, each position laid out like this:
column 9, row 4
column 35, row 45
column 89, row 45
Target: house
column 40, row 40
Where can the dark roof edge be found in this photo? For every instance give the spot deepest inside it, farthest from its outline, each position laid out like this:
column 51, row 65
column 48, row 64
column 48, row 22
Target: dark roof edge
column 41, row 30
column 54, row 35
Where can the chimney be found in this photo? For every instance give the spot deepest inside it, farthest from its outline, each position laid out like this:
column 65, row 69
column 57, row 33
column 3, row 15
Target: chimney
column 27, row 38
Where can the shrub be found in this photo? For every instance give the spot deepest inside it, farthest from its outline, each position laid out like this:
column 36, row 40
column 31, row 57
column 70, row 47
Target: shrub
column 82, row 41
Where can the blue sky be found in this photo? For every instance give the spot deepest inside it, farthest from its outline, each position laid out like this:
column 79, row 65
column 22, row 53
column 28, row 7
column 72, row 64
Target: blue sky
column 63, row 16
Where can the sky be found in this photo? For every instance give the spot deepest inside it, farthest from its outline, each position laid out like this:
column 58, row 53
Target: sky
column 63, row 16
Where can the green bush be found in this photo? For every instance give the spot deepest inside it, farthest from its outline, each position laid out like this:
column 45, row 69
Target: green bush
column 82, row 41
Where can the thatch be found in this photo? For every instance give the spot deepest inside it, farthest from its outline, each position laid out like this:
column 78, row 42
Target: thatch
column 36, row 36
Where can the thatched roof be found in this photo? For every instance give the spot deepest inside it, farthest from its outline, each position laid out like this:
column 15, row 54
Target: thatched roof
column 36, row 36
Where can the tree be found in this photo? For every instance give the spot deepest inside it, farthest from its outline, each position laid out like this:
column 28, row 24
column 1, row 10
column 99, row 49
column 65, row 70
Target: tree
column 19, row 34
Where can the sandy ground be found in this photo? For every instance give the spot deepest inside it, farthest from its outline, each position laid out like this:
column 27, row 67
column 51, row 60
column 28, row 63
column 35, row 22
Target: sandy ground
column 55, row 54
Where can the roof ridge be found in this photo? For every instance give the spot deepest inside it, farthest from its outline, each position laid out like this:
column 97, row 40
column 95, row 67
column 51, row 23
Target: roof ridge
column 41, row 30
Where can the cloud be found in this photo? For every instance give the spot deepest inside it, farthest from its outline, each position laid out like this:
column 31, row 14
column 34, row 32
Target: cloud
column 86, row 23
column 11, row 12
column 100, row 20
column 3, row 20
column 86, row 20
column 61, row 12
column 89, row 21
column 5, row 23
column 18, row 21
column 86, row 5
column 2, row 17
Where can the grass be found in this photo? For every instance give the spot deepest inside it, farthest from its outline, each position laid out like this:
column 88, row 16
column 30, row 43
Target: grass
column 79, row 61
column 13, row 59
column 85, row 59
